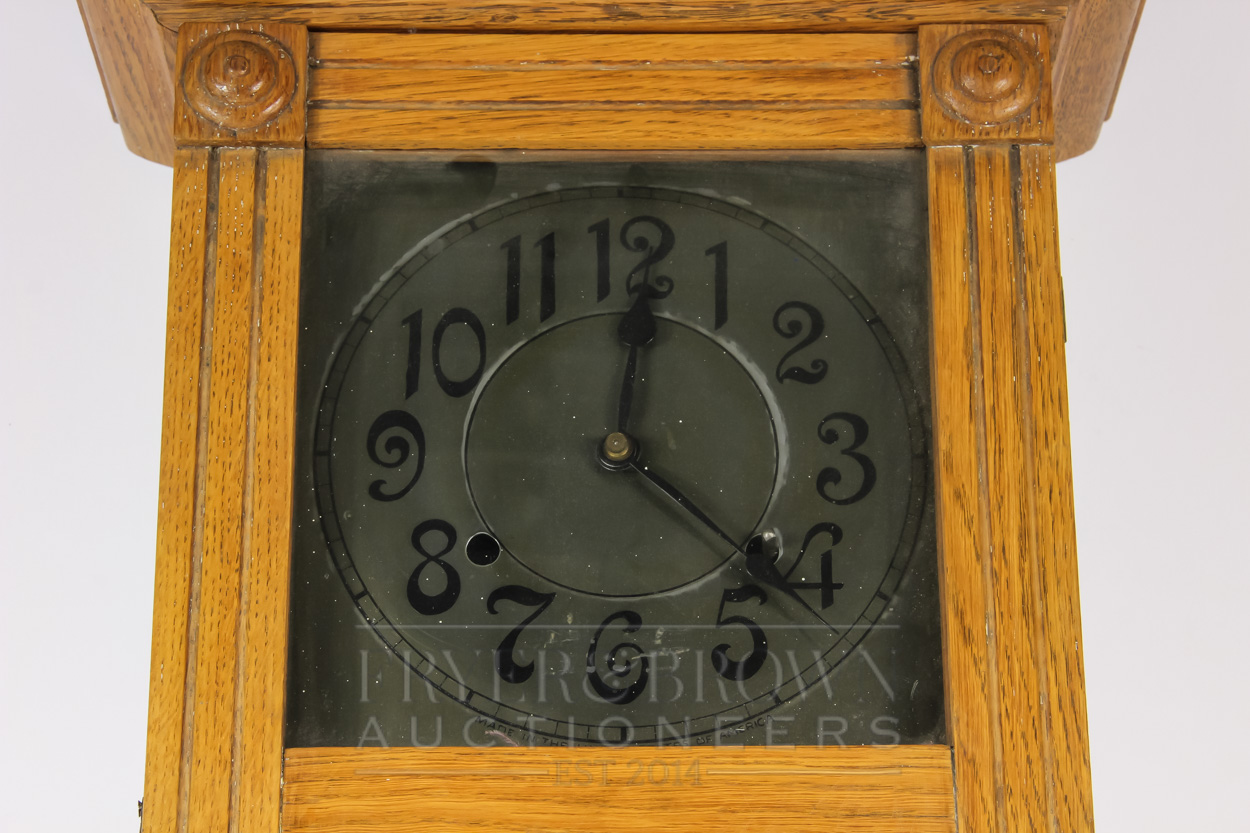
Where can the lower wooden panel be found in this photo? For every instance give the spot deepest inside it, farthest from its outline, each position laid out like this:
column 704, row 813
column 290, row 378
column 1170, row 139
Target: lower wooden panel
column 903, row 789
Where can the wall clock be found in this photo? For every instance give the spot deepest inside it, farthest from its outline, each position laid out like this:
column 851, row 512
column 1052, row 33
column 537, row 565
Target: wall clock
column 414, row 428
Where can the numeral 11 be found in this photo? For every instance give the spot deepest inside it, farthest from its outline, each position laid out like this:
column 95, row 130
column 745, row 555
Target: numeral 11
column 547, row 282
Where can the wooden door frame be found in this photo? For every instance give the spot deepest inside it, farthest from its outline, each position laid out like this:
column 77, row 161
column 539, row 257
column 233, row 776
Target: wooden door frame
column 977, row 96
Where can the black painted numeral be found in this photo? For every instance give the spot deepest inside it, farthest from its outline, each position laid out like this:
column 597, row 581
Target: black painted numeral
column 720, row 281
column 402, row 432
column 433, row 604
column 619, row 665
column 509, row 670
column 458, row 387
column 547, row 276
column 603, row 258
column 661, row 285
column 412, row 371
column 546, row 281
column 748, row 666
column 412, row 374
column 826, row 585
column 793, row 328
column 512, row 279
column 831, row 477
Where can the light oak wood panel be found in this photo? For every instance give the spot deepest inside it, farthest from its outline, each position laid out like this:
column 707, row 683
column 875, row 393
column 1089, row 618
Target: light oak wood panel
column 723, row 50
column 800, row 87
column 135, row 56
column 1090, row 60
column 219, row 639
column 1052, row 478
column 1006, row 380
column 629, row 15
column 985, row 84
column 963, row 523
column 215, row 606
column 904, row 789
column 241, row 85
column 664, row 94
column 1015, row 697
column 176, row 539
column 1091, row 38
column 689, row 129
column 266, row 570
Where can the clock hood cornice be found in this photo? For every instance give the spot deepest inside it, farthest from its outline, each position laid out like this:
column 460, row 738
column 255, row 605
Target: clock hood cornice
column 134, row 40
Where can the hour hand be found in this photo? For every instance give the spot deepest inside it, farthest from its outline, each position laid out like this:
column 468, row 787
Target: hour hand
column 637, row 329
column 637, row 326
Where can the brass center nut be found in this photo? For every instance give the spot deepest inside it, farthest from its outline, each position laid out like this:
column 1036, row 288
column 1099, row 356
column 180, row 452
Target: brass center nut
column 618, row 447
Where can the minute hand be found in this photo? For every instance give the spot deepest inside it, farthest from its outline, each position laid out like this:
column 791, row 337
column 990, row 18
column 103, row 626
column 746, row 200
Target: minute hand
column 759, row 565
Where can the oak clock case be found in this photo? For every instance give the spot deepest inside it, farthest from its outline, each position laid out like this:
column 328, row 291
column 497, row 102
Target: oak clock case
column 612, row 453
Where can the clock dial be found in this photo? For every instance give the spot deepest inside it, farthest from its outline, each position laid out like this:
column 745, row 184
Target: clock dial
column 615, row 463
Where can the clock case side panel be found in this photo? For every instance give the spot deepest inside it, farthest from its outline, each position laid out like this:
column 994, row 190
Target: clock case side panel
column 1011, row 619
column 223, row 553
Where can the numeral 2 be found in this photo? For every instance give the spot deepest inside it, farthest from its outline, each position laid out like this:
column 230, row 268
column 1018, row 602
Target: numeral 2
column 793, row 328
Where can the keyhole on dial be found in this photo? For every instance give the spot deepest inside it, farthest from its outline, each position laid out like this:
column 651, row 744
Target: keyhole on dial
column 482, row 549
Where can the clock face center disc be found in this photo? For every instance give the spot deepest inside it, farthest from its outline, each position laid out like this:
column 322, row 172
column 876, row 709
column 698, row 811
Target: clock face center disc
column 535, row 435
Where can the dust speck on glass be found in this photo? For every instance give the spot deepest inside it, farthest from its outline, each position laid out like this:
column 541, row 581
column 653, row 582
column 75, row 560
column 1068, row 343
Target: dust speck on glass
column 614, row 452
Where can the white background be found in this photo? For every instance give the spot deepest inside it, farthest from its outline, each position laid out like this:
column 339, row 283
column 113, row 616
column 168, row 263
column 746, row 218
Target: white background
column 1154, row 223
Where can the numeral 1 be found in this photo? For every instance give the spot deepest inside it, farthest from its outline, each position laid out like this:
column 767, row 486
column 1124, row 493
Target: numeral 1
column 412, row 376
column 720, row 253
column 547, row 283
column 603, row 241
column 512, row 290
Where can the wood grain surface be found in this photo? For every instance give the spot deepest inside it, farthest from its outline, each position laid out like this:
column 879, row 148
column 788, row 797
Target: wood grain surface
column 265, row 587
column 629, row 15
column 694, row 129
column 1052, row 490
column 135, row 56
column 613, row 92
column 219, row 634
column 1090, row 38
column 1090, row 59
column 1015, row 688
column 672, row 51
column 985, row 84
column 213, row 672
column 177, row 542
column 903, row 789
column 241, row 84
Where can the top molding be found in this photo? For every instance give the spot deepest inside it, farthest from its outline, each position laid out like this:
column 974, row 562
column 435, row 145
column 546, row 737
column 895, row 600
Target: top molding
column 134, row 40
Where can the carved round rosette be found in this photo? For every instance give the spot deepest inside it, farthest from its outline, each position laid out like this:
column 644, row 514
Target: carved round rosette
column 239, row 80
column 986, row 77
